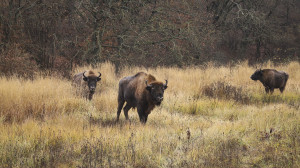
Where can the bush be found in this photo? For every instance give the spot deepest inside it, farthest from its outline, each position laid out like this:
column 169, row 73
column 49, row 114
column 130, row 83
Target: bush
column 223, row 90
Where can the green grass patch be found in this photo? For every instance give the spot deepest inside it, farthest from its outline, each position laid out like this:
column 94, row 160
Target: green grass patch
column 204, row 107
column 286, row 98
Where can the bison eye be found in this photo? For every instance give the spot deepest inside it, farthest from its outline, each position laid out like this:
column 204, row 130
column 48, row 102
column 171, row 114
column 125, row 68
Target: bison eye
column 149, row 88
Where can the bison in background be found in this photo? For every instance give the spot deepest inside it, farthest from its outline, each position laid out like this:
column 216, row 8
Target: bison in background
column 86, row 83
column 142, row 91
column 271, row 79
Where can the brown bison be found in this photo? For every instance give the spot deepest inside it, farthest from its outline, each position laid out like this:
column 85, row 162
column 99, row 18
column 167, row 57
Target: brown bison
column 271, row 79
column 86, row 82
column 142, row 91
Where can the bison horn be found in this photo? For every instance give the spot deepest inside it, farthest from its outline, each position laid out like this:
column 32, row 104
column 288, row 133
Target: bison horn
column 84, row 73
column 146, row 83
column 99, row 74
column 165, row 85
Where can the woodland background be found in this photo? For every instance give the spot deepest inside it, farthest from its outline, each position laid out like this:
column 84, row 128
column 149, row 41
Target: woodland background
column 57, row 35
column 213, row 114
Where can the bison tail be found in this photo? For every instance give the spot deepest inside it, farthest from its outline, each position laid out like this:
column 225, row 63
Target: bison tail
column 286, row 77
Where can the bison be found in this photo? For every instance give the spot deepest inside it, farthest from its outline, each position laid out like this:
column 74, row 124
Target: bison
column 86, row 82
column 141, row 91
column 271, row 79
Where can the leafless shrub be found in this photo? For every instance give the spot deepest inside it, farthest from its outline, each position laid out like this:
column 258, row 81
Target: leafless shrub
column 15, row 61
column 223, row 90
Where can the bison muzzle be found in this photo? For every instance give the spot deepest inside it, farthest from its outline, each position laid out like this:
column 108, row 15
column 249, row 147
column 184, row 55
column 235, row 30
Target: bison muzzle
column 141, row 91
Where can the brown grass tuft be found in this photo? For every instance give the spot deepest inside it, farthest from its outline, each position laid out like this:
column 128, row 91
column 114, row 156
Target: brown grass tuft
column 224, row 90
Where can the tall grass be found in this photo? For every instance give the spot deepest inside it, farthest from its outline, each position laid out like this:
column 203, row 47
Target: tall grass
column 210, row 117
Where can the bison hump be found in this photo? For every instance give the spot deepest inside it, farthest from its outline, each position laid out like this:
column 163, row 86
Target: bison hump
column 151, row 78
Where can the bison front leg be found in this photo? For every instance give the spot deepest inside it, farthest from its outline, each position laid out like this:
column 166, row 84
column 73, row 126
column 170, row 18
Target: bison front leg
column 143, row 119
column 90, row 96
column 146, row 117
column 142, row 115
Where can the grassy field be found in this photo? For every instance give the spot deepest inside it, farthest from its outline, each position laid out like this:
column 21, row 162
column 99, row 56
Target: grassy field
column 210, row 117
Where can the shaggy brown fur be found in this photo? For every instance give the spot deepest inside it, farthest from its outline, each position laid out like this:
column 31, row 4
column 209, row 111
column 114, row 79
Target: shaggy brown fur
column 142, row 91
column 271, row 79
column 86, row 82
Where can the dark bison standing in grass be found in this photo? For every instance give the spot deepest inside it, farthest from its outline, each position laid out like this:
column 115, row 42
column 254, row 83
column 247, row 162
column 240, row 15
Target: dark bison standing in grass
column 271, row 79
column 86, row 82
column 142, row 91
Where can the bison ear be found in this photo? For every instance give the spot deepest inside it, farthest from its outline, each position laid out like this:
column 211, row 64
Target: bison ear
column 98, row 79
column 148, row 87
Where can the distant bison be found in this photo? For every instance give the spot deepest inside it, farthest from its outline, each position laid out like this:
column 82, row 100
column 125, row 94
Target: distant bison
column 86, row 82
column 271, row 79
column 142, row 91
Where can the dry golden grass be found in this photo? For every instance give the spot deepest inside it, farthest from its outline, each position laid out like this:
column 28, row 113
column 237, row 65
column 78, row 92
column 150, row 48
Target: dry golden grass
column 44, row 124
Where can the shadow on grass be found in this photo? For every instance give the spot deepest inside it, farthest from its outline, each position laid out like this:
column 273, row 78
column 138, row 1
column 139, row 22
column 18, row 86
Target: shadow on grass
column 109, row 122
column 289, row 99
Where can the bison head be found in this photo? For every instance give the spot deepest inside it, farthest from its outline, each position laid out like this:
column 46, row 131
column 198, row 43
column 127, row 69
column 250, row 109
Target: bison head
column 156, row 90
column 92, row 81
column 257, row 75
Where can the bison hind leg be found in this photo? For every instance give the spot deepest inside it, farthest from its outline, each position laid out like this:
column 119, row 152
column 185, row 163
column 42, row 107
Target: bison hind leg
column 281, row 89
column 267, row 89
column 120, row 106
column 126, row 109
column 271, row 90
